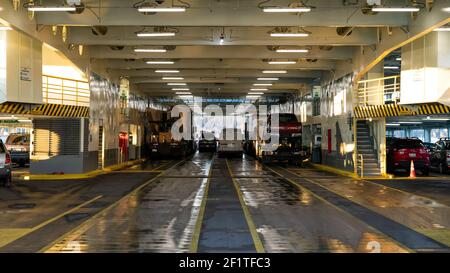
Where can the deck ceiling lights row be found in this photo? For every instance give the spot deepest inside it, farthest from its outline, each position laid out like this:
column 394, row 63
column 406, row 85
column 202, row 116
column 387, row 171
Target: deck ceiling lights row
column 395, row 9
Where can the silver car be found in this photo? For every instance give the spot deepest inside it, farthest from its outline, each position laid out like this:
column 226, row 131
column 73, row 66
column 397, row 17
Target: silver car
column 5, row 166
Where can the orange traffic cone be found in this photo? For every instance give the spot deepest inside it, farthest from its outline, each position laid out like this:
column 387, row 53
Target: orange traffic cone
column 412, row 173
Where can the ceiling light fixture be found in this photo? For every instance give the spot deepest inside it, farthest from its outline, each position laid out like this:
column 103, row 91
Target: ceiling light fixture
column 47, row 9
column 395, row 9
column 183, row 93
column 157, row 9
column 262, row 84
column 176, row 84
column 392, row 67
column 181, row 89
column 441, row 29
column 268, row 79
column 259, row 89
column 299, row 34
column 292, row 50
column 398, row 59
column 155, row 34
column 5, row 28
column 173, row 78
column 167, row 71
column 150, row 50
column 253, row 97
column 160, row 62
column 446, row 9
column 274, row 71
column 255, row 93
column 287, row 10
column 282, row 62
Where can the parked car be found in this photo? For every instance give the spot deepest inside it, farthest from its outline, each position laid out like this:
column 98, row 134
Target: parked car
column 401, row 151
column 18, row 146
column 207, row 142
column 5, row 166
column 440, row 156
column 430, row 146
column 231, row 147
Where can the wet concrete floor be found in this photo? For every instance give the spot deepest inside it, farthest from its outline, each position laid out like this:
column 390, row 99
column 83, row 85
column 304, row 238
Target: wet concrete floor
column 209, row 204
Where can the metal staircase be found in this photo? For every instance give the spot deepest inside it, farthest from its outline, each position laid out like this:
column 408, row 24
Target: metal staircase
column 370, row 165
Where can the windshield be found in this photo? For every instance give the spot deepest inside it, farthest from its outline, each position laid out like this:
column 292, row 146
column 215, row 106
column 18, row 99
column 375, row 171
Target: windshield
column 285, row 118
column 409, row 144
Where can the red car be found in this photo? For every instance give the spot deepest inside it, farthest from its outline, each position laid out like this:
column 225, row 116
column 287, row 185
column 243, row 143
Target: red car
column 401, row 151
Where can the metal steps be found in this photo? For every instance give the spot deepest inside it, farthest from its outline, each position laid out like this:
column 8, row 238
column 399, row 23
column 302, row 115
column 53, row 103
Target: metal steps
column 365, row 148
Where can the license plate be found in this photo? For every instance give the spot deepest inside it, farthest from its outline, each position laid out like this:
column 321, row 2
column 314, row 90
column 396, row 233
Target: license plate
column 412, row 155
column 154, row 150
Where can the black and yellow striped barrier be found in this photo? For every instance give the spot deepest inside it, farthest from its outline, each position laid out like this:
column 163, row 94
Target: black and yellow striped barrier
column 395, row 110
column 53, row 110
column 12, row 108
column 59, row 110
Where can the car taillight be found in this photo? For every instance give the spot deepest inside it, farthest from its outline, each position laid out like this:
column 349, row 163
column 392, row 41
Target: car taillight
column 8, row 159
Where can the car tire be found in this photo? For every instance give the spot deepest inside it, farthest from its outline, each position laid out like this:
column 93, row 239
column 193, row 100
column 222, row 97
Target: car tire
column 7, row 182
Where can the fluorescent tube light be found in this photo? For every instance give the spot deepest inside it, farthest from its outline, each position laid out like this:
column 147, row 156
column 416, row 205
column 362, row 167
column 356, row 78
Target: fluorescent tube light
column 176, row 84
column 255, row 93
column 155, row 34
column 156, row 9
column 268, row 79
column 160, row 62
column 167, row 71
column 286, row 10
column 282, row 62
column 262, row 84
column 442, row 29
column 292, row 50
column 44, row 9
column 392, row 67
column 5, row 28
column 289, row 34
column 173, row 78
column 395, row 9
column 150, row 50
column 183, row 93
column 274, row 71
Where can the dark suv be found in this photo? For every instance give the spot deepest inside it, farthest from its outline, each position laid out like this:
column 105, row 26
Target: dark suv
column 440, row 156
column 401, row 151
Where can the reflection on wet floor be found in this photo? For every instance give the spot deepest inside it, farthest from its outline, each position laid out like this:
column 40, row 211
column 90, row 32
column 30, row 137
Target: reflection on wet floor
column 162, row 216
column 290, row 219
column 159, row 218
column 419, row 213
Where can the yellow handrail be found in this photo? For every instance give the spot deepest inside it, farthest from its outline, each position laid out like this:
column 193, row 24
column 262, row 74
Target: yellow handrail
column 65, row 91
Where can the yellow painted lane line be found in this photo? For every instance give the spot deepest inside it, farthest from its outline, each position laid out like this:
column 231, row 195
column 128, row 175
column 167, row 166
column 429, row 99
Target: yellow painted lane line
column 435, row 234
column 198, row 225
column 162, row 166
column 93, row 220
column 336, row 207
column 251, row 225
column 12, row 235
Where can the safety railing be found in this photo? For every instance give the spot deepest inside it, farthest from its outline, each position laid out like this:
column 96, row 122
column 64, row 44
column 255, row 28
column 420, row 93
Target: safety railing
column 378, row 91
column 65, row 91
column 361, row 165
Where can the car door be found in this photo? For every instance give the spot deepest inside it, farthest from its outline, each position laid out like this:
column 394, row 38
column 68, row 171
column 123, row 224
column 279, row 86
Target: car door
column 436, row 155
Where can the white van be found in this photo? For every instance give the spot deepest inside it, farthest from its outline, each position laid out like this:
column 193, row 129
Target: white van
column 232, row 146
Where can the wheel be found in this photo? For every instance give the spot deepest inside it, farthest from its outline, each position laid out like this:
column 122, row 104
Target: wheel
column 7, row 182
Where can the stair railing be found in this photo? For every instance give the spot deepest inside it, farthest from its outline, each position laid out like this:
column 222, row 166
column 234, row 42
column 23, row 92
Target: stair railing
column 361, row 164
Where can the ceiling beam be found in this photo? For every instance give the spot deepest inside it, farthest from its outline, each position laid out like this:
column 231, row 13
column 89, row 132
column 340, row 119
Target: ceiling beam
column 217, row 64
column 221, row 52
column 126, row 36
column 222, row 13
